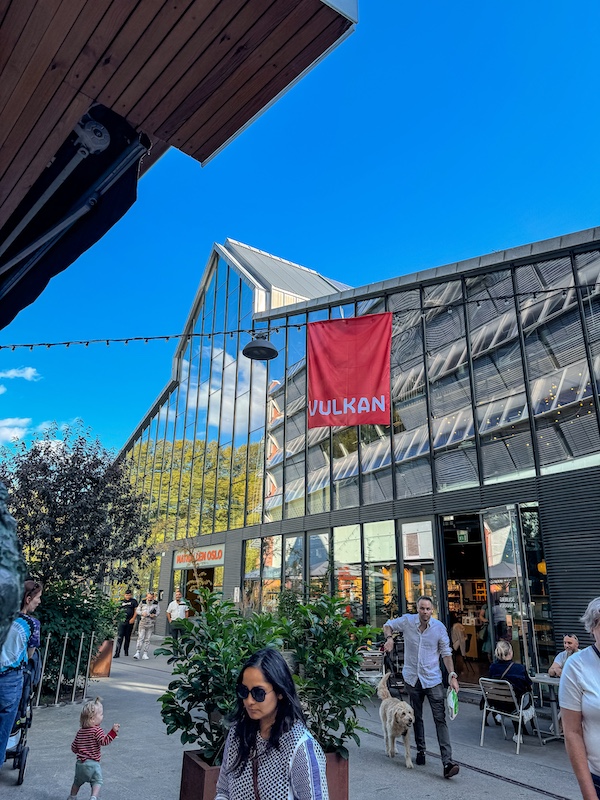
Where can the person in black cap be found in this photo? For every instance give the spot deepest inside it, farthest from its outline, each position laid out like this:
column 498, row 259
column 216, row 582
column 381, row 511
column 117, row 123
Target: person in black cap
column 126, row 620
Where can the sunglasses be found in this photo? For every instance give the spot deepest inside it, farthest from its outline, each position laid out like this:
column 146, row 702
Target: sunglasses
column 257, row 692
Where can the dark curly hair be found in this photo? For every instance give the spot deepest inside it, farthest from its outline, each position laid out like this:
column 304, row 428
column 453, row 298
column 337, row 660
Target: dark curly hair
column 273, row 666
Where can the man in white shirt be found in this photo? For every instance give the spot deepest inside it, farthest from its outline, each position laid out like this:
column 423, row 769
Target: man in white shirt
column 425, row 640
column 177, row 609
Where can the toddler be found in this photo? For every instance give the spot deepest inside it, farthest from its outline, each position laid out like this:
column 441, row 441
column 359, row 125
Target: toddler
column 86, row 746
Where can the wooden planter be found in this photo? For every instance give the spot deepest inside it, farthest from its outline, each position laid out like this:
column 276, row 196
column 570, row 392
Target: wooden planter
column 199, row 781
column 102, row 661
column 337, row 776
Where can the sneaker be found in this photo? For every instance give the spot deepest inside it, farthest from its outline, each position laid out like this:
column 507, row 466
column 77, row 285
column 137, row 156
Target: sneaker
column 136, row 655
column 450, row 769
column 420, row 758
column 116, row 655
column 517, row 739
column 145, row 657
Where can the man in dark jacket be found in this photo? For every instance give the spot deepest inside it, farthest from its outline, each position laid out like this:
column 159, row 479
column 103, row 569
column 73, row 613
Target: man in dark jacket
column 126, row 620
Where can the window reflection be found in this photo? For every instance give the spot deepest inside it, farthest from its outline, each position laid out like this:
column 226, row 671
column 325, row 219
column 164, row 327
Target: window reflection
column 348, row 570
column 381, row 574
column 419, row 568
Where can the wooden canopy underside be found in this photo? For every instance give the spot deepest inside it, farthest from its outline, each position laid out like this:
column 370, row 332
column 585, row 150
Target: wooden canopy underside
column 188, row 73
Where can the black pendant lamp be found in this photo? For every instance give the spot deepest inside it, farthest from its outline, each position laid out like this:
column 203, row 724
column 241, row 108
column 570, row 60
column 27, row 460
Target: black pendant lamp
column 260, row 348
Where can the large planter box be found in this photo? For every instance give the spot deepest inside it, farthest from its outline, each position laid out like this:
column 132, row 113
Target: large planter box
column 199, row 781
column 102, row 661
column 337, row 776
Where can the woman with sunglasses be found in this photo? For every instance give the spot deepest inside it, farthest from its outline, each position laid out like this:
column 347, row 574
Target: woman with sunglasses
column 269, row 753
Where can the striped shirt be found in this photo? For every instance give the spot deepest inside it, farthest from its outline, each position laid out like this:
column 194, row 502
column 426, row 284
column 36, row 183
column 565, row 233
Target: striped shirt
column 88, row 742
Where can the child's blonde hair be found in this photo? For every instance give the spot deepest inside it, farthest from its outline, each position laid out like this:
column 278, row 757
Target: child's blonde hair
column 89, row 711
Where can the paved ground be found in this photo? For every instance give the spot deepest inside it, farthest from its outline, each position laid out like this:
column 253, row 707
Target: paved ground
column 145, row 763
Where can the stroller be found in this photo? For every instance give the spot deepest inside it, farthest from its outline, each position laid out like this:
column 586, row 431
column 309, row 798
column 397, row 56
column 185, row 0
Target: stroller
column 17, row 748
column 393, row 663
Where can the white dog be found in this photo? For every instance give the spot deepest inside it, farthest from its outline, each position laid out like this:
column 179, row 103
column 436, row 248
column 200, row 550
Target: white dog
column 397, row 718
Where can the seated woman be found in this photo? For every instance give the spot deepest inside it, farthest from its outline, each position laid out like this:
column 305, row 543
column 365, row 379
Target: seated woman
column 505, row 669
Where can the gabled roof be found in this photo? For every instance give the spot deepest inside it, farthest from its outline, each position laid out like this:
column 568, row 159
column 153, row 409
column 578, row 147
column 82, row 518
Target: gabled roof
column 273, row 272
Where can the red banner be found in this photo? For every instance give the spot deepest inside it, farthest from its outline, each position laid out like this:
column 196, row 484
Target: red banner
column 349, row 371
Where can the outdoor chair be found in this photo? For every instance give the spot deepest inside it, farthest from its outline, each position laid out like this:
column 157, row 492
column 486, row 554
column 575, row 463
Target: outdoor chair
column 371, row 669
column 501, row 692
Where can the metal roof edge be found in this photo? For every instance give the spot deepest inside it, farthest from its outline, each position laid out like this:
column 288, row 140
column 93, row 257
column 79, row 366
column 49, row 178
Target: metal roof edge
column 348, row 8
column 500, row 258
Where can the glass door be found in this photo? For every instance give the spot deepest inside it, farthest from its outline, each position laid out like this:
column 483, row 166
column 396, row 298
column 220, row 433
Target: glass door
column 508, row 598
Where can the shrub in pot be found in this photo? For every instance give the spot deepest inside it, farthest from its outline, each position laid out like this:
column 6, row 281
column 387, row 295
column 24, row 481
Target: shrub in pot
column 327, row 645
column 207, row 658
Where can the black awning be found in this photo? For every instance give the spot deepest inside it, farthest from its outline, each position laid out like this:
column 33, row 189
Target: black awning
column 82, row 193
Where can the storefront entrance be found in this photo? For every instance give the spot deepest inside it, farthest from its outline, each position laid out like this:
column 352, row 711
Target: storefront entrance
column 468, row 618
column 496, row 588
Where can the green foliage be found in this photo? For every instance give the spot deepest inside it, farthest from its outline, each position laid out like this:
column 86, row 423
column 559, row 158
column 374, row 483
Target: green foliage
column 73, row 610
column 79, row 518
column 207, row 659
column 327, row 646
column 213, row 647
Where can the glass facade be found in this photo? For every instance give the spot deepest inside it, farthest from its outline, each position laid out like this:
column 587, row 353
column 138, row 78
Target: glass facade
column 495, row 376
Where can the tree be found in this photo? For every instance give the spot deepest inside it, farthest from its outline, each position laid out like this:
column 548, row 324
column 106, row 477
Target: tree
column 79, row 519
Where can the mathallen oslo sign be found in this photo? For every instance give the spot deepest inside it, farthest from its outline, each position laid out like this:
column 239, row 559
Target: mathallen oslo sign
column 349, row 371
column 208, row 556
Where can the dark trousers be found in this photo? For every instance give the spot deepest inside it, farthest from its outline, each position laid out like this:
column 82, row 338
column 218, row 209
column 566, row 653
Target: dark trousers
column 437, row 700
column 123, row 637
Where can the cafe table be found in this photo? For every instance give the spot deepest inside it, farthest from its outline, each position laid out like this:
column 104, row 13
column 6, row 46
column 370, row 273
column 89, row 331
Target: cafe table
column 552, row 684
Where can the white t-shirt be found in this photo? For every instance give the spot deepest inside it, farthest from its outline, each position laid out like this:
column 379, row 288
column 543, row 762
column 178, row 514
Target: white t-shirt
column 579, row 690
column 176, row 609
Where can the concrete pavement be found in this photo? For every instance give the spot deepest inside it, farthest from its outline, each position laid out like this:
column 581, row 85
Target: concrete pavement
column 145, row 763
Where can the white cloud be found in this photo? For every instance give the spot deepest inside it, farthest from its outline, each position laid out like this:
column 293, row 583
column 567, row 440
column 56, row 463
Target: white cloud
column 13, row 428
column 27, row 373
column 2, row 389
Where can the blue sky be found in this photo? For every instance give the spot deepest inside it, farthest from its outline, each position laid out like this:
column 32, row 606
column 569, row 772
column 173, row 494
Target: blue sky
column 438, row 131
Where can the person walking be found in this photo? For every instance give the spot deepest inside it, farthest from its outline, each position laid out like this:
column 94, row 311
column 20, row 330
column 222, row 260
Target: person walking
column 177, row 609
column 147, row 611
column 269, row 752
column 86, row 746
column 579, row 698
column 13, row 658
column 126, row 620
column 425, row 640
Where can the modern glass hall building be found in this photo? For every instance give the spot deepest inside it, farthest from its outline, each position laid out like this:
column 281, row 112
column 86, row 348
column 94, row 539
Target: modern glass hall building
column 483, row 490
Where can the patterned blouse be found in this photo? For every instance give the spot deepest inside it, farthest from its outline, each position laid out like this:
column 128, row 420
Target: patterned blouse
column 295, row 771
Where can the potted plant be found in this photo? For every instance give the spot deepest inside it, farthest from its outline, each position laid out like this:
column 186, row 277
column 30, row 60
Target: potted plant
column 328, row 646
column 207, row 658
column 209, row 655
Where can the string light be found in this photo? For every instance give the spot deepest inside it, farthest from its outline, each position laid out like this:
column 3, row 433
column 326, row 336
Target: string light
column 251, row 332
